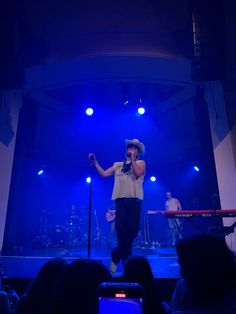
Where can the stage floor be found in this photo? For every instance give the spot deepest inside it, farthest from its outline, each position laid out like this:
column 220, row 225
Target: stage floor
column 26, row 263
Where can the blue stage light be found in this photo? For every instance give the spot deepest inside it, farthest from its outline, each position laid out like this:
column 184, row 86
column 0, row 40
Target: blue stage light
column 89, row 111
column 141, row 110
column 40, row 172
column 88, row 179
column 153, row 179
column 196, row 168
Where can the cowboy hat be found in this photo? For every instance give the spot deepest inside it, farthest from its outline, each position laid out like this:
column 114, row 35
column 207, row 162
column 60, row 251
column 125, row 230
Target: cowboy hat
column 137, row 143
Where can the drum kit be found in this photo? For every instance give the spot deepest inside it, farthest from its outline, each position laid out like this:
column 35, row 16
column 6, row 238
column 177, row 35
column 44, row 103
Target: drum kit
column 72, row 233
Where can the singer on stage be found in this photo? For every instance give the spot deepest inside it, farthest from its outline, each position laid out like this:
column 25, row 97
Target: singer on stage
column 128, row 195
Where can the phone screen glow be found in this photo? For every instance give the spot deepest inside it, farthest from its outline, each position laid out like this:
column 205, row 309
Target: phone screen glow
column 120, row 305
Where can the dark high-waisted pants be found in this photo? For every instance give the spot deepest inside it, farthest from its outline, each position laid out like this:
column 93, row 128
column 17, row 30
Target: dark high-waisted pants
column 127, row 226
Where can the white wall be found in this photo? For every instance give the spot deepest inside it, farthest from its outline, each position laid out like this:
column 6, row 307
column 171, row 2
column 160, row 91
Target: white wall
column 224, row 143
column 10, row 104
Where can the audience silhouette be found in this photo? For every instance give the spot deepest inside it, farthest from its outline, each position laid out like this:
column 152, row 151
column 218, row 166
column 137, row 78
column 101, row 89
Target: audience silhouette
column 39, row 297
column 4, row 303
column 208, row 271
column 137, row 269
column 76, row 291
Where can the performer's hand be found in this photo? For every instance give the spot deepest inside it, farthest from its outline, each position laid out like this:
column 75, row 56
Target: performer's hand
column 131, row 155
column 92, row 157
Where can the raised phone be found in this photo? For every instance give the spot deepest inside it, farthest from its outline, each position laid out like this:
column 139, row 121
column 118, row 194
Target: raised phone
column 116, row 298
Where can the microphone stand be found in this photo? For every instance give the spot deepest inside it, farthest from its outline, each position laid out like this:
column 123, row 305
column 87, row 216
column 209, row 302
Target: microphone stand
column 90, row 210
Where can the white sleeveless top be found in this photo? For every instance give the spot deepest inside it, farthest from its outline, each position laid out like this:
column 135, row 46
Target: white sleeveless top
column 126, row 184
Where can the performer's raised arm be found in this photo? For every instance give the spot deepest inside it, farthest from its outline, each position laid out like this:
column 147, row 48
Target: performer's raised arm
column 104, row 173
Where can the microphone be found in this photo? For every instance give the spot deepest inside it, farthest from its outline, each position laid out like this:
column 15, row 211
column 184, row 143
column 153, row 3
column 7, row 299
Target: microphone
column 91, row 157
column 129, row 155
